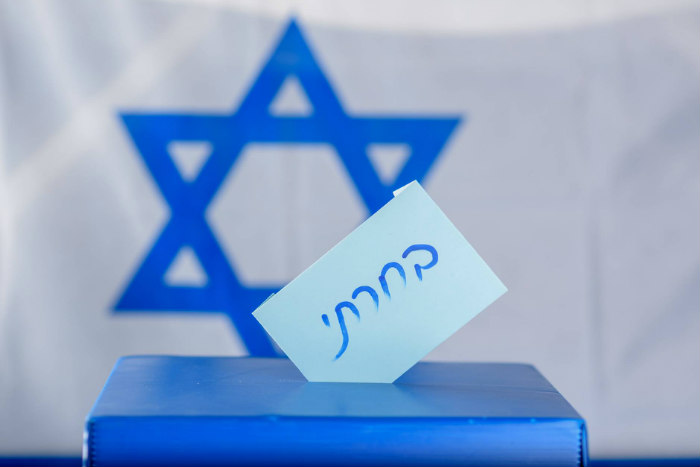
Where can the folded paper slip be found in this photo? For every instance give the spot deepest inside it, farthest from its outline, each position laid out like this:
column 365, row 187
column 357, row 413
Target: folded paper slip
column 207, row 411
column 382, row 298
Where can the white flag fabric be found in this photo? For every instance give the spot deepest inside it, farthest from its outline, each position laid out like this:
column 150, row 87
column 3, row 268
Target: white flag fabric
column 167, row 165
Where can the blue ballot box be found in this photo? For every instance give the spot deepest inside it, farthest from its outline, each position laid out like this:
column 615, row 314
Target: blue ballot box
column 212, row 411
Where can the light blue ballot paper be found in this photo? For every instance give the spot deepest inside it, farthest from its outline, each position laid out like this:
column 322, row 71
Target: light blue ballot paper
column 382, row 298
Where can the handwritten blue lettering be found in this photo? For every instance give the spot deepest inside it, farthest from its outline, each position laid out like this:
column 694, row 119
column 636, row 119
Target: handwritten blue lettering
column 382, row 277
column 385, row 288
column 370, row 291
column 419, row 269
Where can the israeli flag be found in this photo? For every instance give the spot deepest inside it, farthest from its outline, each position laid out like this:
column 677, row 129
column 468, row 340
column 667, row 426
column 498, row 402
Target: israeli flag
column 166, row 165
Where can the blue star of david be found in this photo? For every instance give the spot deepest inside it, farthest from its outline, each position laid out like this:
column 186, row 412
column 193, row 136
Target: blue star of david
column 228, row 134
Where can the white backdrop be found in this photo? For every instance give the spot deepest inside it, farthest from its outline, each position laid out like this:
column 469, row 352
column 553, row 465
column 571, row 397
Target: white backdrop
column 574, row 172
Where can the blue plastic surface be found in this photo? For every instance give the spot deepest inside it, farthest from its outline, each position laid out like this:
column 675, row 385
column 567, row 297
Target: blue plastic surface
column 248, row 411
